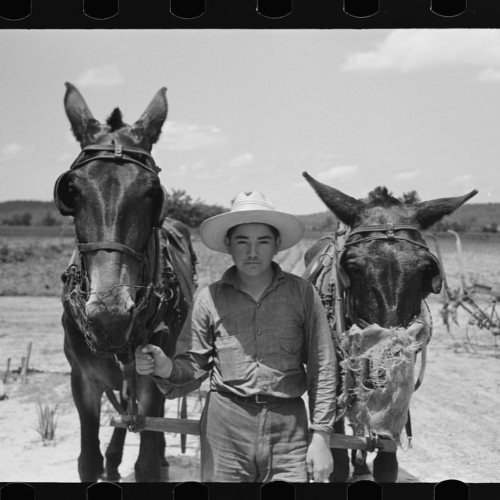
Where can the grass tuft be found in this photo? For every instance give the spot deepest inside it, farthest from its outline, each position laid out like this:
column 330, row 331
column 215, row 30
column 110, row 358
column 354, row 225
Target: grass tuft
column 47, row 422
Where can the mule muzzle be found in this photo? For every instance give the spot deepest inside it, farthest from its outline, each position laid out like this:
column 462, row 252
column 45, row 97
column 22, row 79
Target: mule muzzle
column 110, row 322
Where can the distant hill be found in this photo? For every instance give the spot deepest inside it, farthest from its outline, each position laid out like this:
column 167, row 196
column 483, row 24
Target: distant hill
column 472, row 217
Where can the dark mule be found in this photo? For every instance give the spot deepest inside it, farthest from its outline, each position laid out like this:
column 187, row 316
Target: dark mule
column 130, row 280
column 382, row 273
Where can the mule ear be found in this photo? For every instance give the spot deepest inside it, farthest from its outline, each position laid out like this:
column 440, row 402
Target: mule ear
column 83, row 124
column 151, row 121
column 430, row 212
column 343, row 206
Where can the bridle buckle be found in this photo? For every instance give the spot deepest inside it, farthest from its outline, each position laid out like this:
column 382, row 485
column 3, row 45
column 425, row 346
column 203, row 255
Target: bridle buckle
column 118, row 153
column 390, row 231
column 257, row 400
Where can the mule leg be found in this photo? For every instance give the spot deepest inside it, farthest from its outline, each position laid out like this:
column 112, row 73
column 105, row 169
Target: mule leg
column 87, row 397
column 148, row 464
column 385, row 467
column 340, row 456
column 162, row 445
column 114, row 454
column 358, row 460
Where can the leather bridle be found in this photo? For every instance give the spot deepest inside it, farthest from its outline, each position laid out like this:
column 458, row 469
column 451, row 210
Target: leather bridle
column 115, row 153
column 384, row 232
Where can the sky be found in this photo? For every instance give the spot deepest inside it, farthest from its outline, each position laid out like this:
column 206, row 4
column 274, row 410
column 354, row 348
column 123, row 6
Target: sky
column 409, row 109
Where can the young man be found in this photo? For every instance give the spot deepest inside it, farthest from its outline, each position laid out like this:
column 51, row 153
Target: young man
column 253, row 331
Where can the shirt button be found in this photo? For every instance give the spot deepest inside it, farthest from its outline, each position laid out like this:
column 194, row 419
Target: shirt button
column 259, row 332
column 258, row 304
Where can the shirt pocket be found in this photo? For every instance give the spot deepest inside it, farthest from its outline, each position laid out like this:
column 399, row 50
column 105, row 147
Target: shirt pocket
column 290, row 353
column 230, row 356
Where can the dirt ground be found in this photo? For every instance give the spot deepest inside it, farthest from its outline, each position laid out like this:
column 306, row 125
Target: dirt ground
column 455, row 413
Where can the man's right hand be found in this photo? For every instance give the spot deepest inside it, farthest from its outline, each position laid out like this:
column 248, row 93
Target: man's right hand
column 151, row 360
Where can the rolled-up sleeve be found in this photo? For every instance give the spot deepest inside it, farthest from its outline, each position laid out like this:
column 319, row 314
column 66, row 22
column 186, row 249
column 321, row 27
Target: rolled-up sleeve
column 321, row 364
column 193, row 357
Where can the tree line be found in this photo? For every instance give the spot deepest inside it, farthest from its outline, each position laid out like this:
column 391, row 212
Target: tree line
column 180, row 206
column 192, row 212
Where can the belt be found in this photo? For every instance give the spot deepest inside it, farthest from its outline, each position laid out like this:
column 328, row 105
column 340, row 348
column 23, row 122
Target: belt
column 256, row 398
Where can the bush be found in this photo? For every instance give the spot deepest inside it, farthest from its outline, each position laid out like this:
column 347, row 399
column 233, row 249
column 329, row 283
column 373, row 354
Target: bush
column 182, row 207
column 19, row 220
column 49, row 220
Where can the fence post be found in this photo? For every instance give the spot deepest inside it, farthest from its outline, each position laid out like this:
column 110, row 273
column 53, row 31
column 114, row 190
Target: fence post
column 25, row 363
column 6, row 375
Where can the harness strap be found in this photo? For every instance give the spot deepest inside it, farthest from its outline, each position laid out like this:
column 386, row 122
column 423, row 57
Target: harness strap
column 389, row 233
column 384, row 227
column 387, row 237
column 116, row 152
column 112, row 246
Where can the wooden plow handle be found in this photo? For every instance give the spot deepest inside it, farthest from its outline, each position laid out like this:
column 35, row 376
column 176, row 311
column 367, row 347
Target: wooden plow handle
column 360, row 443
column 189, row 426
column 158, row 424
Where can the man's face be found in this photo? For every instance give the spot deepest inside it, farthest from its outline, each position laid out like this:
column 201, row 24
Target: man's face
column 252, row 247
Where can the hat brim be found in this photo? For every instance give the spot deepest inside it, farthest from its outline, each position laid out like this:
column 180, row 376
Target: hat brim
column 214, row 229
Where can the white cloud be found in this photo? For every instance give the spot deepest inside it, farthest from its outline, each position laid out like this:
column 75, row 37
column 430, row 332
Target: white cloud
column 101, row 77
column 241, row 161
column 14, row 151
column 197, row 170
column 338, row 172
column 418, row 49
column 188, row 137
column 489, row 75
column 404, row 176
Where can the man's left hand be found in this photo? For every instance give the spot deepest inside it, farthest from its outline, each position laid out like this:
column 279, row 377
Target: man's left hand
column 319, row 461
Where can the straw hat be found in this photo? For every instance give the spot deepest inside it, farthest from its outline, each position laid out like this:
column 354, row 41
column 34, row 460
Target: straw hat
column 250, row 208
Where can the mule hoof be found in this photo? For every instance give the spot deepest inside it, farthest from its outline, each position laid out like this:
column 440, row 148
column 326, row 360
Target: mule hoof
column 90, row 473
column 111, row 476
column 385, row 468
column 149, row 476
column 361, row 470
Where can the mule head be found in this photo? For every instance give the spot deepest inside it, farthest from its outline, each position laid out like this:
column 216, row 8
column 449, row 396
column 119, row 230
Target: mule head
column 115, row 196
column 387, row 270
column 388, row 274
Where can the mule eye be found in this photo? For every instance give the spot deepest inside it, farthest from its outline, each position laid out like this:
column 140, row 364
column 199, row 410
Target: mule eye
column 71, row 190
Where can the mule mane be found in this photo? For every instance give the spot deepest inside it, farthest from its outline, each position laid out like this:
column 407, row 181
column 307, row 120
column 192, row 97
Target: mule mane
column 115, row 120
column 380, row 196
